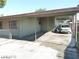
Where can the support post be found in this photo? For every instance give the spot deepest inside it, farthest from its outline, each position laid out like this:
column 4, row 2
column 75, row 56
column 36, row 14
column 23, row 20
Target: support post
column 73, row 26
column 35, row 29
column 10, row 34
column 76, row 27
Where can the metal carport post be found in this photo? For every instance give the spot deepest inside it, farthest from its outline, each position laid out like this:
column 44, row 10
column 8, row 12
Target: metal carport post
column 76, row 27
column 35, row 29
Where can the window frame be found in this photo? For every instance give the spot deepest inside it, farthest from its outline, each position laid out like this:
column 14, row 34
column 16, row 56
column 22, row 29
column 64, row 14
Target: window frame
column 1, row 27
column 13, row 24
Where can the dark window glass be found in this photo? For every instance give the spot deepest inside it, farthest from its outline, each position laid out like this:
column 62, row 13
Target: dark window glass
column 0, row 24
column 13, row 24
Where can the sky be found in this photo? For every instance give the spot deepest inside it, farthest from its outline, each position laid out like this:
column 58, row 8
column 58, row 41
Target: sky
column 13, row 7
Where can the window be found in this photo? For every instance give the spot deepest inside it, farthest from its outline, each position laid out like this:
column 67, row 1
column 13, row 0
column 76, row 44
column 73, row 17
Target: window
column 65, row 25
column 0, row 24
column 13, row 24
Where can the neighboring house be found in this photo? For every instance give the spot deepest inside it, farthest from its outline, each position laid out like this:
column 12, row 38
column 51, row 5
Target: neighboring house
column 30, row 23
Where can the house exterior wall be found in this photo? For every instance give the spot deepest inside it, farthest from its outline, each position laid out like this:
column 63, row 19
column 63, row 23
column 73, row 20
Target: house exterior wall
column 15, row 32
column 28, row 26
column 6, row 30
column 46, row 23
column 25, row 26
column 62, row 19
column 50, row 23
column 43, row 25
column 5, row 24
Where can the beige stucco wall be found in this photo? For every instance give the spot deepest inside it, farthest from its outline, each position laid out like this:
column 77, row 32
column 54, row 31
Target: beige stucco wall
column 50, row 23
column 43, row 25
column 5, row 24
column 28, row 26
column 6, row 30
column 25, row 26
column 47, row 23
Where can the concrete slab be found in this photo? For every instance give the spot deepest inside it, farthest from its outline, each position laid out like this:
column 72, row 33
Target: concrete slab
column 57, row 41
column 49, row 46
column 17, row 49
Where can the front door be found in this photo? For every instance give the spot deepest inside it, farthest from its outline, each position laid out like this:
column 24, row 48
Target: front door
column 43, row 24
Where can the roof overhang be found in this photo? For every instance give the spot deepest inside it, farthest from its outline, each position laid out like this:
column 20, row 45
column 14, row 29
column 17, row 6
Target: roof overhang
column 56, row 12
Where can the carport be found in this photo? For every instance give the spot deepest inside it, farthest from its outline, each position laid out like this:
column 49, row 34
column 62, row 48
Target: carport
column 47, row 18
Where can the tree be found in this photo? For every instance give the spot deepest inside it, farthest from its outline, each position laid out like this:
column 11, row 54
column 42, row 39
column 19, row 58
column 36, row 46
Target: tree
column 40, row 10
column 2, row 3
column 78, row 5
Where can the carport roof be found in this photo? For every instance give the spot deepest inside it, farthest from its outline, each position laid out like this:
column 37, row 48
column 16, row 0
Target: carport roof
column 48, row 13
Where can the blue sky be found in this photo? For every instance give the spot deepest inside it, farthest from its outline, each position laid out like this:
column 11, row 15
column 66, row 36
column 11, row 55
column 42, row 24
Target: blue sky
column 24, row 6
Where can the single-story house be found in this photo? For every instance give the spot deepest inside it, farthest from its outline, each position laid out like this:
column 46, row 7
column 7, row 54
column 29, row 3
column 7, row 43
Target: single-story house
column 29, row 23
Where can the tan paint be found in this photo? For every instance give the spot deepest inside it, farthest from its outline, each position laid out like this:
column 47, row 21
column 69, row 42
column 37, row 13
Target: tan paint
column 46, row 23
column 5, row 23
column 28, row 26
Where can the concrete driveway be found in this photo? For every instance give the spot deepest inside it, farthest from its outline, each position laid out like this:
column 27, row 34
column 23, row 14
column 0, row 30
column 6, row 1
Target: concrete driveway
column 55, row 38
column 56, row 41
column 48, row 46
column 18, row 49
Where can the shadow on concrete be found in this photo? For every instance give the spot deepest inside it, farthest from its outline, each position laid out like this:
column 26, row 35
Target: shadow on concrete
column 71, row 51
column 30, row 37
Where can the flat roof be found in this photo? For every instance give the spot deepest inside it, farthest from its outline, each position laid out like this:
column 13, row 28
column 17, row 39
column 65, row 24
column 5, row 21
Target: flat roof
column 72, row 10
